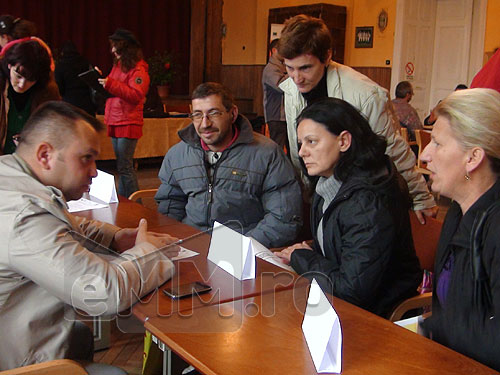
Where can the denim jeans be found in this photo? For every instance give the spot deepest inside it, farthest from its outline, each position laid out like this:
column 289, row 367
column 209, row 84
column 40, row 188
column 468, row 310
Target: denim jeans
column 124, row 151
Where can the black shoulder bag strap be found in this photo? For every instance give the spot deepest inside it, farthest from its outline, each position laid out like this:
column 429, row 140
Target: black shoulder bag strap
column 482, row 290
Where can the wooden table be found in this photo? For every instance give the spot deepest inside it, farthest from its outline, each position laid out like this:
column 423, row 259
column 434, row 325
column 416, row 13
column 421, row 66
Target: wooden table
column 225, row 287
column 263, row 335
column 127, row 214
column 254, row 326
column 159, row 134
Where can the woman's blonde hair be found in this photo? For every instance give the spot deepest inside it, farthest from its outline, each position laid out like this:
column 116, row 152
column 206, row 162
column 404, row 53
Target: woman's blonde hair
column 474, row 115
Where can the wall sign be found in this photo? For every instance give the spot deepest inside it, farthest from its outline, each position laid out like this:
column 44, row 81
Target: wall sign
column 409, row 70
column 363, row 37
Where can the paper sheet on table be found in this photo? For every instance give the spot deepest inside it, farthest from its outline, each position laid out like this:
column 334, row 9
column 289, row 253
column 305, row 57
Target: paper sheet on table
column 103, row 187
column 321, row 327
column 232, row 252
column 83, row 204
column 184, row 253
column 264, row 253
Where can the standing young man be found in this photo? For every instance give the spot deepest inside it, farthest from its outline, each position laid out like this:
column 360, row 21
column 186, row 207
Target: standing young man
column 305, row 45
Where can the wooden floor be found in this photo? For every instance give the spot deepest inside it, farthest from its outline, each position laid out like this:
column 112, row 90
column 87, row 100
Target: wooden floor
column 126, row 351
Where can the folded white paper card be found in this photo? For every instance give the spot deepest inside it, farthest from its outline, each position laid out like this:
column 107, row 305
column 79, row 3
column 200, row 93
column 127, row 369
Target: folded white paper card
column 232, row 252
column 103, row 187
column 264, row 253
column 321, row 327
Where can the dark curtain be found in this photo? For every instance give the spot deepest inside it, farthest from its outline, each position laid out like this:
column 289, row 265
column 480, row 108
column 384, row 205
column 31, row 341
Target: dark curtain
column 158, row 24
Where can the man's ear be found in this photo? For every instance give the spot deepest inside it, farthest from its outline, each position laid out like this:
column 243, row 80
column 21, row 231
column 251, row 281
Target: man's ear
column 476, row 156
column 344, row 139
column 234, row 111
column 45, row 155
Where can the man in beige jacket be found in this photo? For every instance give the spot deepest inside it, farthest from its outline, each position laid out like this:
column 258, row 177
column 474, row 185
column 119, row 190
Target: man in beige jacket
column 48, row 263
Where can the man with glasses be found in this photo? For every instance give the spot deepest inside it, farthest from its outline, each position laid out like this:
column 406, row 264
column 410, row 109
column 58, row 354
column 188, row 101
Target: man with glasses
column 407, row 115
column 223, row 171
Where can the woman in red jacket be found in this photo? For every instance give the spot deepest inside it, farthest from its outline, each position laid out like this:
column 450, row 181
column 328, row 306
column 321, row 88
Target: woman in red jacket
column 128, row 84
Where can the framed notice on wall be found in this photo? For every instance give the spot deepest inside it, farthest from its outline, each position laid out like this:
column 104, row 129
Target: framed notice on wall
column 363, row 37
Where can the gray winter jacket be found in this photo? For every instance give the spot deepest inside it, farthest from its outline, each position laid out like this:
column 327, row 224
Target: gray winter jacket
column 253, row 184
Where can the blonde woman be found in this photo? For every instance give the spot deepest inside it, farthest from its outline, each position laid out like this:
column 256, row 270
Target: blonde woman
column 464, row 160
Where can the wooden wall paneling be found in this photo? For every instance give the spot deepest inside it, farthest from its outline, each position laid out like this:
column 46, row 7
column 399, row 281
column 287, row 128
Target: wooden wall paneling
column 197, row 47
column 245, row 82
column 334, row 17
column 213, row 51
column 380, row 75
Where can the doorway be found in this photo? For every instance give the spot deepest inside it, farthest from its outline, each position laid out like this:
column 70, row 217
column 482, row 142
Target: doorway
column 438, row 44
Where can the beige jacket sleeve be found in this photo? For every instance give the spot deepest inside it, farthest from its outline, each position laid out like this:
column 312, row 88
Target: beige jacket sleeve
column 45, row 249
column 376, row 109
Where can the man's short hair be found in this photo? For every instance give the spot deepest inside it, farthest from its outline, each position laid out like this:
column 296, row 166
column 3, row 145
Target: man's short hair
column 305, row 35
column 274, row 44
column 55, row 122
column 213, row 88
column 403, row 88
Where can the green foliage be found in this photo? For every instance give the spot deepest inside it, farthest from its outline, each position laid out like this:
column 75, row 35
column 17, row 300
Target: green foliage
column 161, row 68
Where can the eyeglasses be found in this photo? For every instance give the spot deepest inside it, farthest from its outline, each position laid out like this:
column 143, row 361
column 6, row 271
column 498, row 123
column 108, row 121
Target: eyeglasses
column 214, row 114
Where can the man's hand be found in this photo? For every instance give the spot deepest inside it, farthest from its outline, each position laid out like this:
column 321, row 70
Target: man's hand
column 421, row 214
column 127, row 238
column 286, row 254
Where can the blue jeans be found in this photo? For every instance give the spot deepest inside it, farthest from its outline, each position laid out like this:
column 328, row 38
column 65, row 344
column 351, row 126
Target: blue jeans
column 124, row 151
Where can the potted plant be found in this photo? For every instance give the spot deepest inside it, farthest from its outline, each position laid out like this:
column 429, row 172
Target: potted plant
column 161, row 71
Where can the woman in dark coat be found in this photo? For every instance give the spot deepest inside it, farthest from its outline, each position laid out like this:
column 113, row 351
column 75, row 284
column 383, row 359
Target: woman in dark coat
column 363, row 249
column 74, row 90
column 464, row 158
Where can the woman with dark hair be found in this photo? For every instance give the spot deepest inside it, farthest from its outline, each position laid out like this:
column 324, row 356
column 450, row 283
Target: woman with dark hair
column 362, row 248
column 128, row 83
column 25, row 82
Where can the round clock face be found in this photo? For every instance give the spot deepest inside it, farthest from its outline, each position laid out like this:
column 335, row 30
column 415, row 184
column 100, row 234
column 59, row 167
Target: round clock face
column 382, row 20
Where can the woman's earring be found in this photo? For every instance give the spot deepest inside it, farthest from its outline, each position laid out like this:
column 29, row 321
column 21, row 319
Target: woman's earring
column 467, row 177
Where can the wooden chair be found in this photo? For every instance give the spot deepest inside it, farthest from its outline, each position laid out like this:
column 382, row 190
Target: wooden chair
column 55, row 367
column 422, row 137
column 425, row 239
column 139, row 194
column 265, row 130
column 146, row 197
column 404, row 134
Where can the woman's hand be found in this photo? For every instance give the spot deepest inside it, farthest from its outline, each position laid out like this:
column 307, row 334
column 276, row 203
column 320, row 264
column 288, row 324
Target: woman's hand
column 286, row 254
column 102, row 81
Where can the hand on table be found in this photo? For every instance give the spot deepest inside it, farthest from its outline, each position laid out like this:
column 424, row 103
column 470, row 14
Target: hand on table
column 286, row 253
column 127, row 238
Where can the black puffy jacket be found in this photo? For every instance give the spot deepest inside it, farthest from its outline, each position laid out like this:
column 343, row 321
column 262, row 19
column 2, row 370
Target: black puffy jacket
column 469, row 320
column 369, row 257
